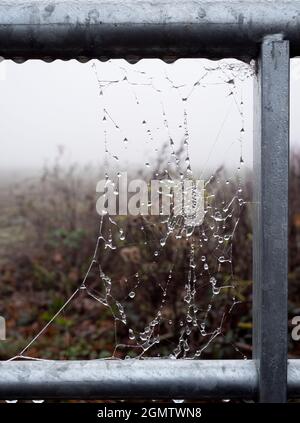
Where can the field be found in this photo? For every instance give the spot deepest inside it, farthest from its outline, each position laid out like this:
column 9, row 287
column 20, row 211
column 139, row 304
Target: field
column 48, row 231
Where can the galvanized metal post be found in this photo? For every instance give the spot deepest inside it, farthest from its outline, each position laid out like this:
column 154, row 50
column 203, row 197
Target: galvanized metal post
column 202, row 28
column 270, row 247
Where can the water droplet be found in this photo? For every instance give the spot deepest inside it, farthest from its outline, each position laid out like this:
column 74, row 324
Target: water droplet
column 143, row 336
column 156, row 253
column 11, row 401
column 213, row 280
column 131, row 334
column 218, row 216
column 186, row 347
column 132, row 294
column 38, row 401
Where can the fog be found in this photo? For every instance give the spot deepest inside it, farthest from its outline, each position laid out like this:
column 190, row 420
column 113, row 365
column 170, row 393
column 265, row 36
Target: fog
column 46, row 105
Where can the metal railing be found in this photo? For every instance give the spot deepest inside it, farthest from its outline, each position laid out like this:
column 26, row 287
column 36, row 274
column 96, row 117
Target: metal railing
column 268, row 32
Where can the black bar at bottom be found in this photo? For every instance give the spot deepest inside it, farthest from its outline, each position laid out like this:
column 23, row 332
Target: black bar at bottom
column 132, row 412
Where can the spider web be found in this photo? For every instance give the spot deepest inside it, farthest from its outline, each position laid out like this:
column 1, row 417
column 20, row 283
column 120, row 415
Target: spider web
column 167, row 282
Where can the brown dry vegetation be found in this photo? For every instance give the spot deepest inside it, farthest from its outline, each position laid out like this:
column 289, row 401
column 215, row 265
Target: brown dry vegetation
column 48, row 229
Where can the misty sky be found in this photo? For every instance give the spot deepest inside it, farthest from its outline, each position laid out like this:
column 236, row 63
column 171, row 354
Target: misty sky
column 46, row 105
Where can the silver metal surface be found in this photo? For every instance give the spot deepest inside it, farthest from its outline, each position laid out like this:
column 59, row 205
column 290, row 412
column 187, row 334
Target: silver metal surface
column 171, row 29
column 152, row 378
column 134, row 29
column 270, row 244
column 293, row 386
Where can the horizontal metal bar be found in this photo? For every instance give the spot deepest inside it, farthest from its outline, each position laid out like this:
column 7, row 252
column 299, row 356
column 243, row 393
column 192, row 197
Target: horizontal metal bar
column 157, row 378
column 134, row 29
column 293, row 385
column 152, row 378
